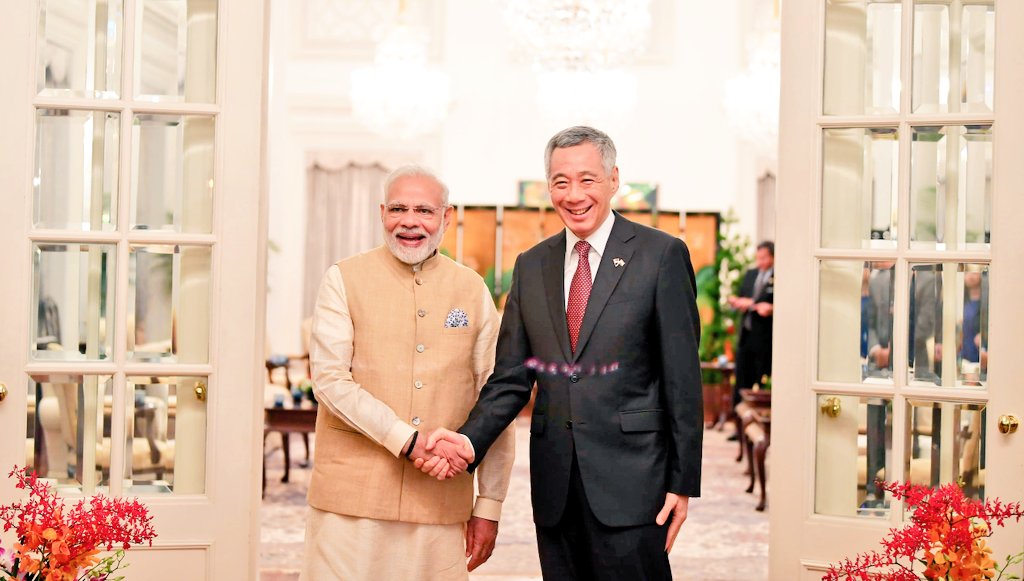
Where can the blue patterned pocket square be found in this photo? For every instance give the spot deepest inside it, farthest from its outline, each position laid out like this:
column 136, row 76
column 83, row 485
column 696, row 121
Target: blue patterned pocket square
column 456, row 318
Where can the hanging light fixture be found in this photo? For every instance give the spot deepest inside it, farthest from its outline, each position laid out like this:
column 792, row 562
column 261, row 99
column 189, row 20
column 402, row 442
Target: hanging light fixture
column 580, row 50
column 752, row 97
column 401, row 95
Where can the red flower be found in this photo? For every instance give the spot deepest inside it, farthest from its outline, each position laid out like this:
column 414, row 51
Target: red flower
column 946, row 535
column 56, row 543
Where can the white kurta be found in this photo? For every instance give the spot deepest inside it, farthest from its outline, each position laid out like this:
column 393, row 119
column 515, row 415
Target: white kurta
column 346, row 548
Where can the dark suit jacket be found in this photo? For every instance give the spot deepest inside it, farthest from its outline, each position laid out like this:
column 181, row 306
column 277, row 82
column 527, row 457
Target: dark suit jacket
column 629, row 399
column 759, row 336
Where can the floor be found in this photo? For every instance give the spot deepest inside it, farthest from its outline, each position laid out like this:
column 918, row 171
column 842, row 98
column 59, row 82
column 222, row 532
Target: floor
column 724, row 539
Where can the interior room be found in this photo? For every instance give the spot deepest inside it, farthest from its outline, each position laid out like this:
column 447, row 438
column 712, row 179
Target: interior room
column 687, row 97
column 198, row 194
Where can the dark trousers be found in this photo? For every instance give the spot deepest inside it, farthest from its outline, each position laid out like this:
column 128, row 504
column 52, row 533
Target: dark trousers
column 753, row 361
column 580, row 548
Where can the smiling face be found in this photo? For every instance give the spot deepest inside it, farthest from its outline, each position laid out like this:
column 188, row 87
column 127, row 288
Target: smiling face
column 414, row 218
column 581, row 190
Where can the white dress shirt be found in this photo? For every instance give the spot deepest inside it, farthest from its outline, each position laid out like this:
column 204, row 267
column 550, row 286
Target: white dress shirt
column 598, row 241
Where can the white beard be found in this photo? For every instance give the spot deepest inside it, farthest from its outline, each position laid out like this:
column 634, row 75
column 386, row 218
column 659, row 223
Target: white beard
column 413, row 256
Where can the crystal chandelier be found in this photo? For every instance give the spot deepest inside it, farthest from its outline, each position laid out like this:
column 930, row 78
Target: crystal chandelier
column 752, row 97
column 579, row 49
column 401, row 95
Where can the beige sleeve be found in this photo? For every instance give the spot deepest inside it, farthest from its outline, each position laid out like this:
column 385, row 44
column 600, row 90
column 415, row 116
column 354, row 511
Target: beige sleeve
column 495, row 471
column 330, row 356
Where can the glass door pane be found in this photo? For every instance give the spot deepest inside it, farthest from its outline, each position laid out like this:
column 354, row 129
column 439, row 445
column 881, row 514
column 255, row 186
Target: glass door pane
column 69, row 429
column 73, row 293
column 860, row 182
column 169, row 304
column 172, row 173
column 176, row 50
column 951, row 187
column 854, row 436
column 165, row 449
column 946, row 443
column 75, row 179
column 862, row 57
column 80, row 48
column 949, row 300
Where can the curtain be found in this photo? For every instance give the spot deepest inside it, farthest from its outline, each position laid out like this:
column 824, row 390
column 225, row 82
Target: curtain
column 342, row 217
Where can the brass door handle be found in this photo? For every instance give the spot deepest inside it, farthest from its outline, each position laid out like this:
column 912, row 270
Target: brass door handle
column 3, row 391
column 1008, row 423
column 200, row 391
column 832, row 407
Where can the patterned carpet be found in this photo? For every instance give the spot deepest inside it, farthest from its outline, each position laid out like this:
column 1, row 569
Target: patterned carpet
column 724, row 539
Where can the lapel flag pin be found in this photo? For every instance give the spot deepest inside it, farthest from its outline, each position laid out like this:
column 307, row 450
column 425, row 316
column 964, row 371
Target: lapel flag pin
column 618, row 262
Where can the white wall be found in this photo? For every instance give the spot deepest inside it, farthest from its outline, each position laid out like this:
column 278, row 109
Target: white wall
column 678, row 135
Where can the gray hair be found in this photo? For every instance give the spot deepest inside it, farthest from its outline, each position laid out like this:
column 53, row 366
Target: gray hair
column 581, row 134
column 415, row 171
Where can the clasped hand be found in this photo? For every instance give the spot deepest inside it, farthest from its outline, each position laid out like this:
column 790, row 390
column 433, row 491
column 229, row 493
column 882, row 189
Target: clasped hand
column 444, row 455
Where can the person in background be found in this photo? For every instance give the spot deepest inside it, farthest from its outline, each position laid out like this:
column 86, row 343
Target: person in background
column 755, row 305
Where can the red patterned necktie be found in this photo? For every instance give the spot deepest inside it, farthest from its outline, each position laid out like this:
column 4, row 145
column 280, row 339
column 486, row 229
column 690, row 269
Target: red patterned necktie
column 579, row 292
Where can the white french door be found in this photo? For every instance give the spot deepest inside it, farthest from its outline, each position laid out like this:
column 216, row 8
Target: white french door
column 900, row 187
column 133, row 252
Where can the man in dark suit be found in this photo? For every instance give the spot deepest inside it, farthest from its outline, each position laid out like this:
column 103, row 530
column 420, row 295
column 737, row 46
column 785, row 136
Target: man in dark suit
column 755, row 303
column 602, row 316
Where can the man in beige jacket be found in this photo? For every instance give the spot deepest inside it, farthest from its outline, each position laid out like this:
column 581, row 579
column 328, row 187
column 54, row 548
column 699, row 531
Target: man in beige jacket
column 403, row 338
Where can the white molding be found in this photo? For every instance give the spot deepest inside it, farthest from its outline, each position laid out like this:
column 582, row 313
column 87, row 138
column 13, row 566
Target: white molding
column 356, row 43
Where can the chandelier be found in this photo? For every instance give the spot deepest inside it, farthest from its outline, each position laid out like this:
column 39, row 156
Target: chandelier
column 579, row 50
column 400, row 95
column 752, row 97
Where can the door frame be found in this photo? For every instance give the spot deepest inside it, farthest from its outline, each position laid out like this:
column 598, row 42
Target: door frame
column 802, row 543
column 222, row 523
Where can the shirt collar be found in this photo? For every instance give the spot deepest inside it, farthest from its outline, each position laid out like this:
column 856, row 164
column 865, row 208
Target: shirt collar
column 598, row 240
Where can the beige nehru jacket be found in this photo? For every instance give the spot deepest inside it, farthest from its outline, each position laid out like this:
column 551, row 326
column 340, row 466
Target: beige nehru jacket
column 386, row 364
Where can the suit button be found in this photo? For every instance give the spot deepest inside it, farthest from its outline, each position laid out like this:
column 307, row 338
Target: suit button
column 420, row 348
column 575, row 378
column 421, row 313
column 416, row 421
column 418, row 384
column 568, row 424
column 419, row 280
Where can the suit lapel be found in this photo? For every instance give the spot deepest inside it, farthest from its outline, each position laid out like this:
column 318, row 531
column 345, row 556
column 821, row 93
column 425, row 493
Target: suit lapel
column 553, row 270
column 608, row 275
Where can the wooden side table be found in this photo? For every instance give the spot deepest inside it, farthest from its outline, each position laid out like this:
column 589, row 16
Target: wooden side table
column 287, row 420
column 718, row 396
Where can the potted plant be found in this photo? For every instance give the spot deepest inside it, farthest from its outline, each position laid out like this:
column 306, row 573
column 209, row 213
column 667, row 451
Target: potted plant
column 945, row 540
column 58, row 543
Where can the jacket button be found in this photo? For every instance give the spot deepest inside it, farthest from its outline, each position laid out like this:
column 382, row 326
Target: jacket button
column 575, row 378
column 419, row 280
column 416, row 421
column 418, row 384
column 420, row 348
column 421, row 313
column 568, row 424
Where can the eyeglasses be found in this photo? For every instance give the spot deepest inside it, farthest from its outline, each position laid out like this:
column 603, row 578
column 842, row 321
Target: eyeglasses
column 422, row 211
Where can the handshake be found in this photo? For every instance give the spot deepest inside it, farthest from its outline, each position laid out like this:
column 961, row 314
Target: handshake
column 445, row 454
